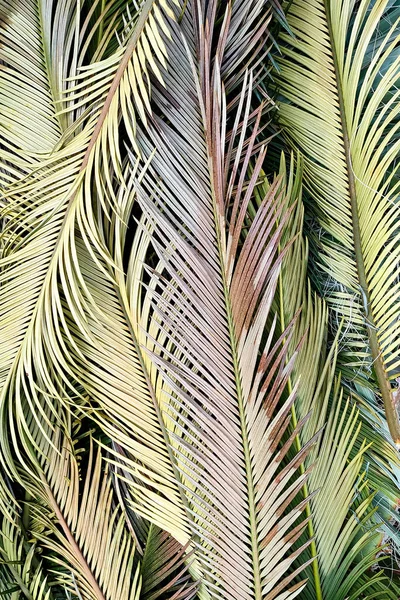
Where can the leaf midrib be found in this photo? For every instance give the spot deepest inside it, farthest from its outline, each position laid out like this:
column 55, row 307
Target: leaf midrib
column 237, row 375
column 75, row 546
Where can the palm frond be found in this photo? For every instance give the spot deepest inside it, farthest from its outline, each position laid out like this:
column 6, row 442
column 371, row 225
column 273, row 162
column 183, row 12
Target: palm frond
column 24, row 113
column 129, row 409
column 155, row 301
column 79, row 525
column 338, row 82
column 341, row 511
column 205, row 307
column 203, row 397
column 217, row 380
column 44, row 200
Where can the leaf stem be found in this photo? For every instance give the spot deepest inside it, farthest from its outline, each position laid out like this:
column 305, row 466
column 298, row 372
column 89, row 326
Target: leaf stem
column 297, row 443
column 71, row 539
column 243, row 424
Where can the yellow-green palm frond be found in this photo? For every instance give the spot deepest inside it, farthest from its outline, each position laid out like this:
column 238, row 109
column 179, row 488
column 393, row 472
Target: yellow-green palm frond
column 77, row 521
column 380, row 458
column 338, row 82
column 44, row 202
column 343, row 527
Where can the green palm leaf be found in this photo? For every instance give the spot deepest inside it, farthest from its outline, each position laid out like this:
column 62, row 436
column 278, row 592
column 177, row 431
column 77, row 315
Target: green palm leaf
column 47, row 195
column 342, row 525
column 339, row 81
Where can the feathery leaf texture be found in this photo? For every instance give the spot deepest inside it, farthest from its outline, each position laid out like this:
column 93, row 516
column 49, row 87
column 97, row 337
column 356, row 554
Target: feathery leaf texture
column 173, row 419
column 345, row 121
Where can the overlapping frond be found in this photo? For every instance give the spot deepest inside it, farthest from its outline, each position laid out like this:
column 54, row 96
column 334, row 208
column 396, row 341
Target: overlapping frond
column 343, row 527
column 77, row 521
column 338, row 81
column 43, row 205
column 204, row 388
column 224, row 395
column 23, row 571
column 154, row 288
